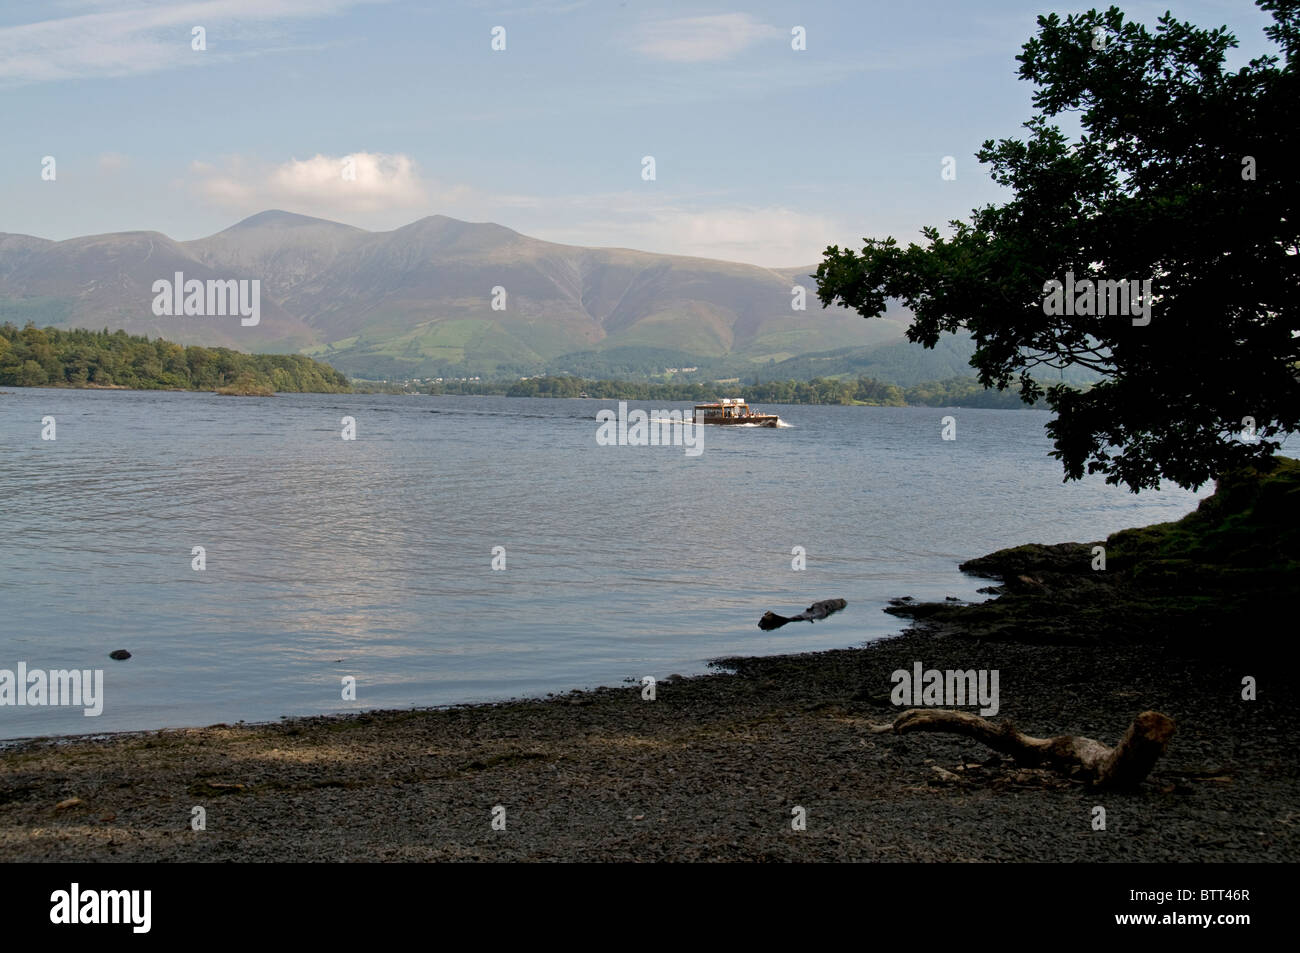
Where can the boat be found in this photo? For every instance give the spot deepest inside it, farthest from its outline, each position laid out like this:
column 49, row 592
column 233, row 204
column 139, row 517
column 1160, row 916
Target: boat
column 733, row 411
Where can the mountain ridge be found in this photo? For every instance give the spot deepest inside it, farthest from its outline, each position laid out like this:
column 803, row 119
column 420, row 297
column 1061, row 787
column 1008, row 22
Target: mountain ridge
column 432, row 297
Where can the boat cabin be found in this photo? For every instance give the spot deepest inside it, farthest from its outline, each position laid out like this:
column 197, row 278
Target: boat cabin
column 733, row 410
column 726, row 408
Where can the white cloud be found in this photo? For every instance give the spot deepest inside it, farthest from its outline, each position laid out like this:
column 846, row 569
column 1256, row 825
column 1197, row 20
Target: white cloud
column 540, row 7
column 389, row 192
column 144, row 37
column 703, row 39
column 771, row 236
column 362, row 182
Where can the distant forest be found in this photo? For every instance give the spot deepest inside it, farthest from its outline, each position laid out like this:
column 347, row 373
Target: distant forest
column 957, row 391
column 49, row 357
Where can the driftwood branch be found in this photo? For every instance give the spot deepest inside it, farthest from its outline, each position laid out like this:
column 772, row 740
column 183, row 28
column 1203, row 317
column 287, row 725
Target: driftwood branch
column 1123, row 766
column 818, row 610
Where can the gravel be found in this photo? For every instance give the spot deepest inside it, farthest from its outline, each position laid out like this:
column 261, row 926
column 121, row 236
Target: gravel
column 712, row 769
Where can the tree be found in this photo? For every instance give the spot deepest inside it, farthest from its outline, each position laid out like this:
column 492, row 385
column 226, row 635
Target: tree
column 33, row 375
column 1180, row 175
column 39, row 356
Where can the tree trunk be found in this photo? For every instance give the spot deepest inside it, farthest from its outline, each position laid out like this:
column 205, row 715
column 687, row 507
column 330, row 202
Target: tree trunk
column 1121, row 767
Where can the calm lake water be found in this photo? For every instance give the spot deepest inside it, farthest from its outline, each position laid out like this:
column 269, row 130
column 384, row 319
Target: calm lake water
column 372, row 558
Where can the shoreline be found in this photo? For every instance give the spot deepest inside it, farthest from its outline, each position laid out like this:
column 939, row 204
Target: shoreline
column 716, row 765
column 709, row 770
column 384, row 393
column 718, row 666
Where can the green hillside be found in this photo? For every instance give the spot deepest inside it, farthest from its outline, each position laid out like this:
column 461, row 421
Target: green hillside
column 49, row 357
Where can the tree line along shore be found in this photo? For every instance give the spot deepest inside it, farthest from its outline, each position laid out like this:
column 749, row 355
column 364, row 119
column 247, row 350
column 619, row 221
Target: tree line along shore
column 860, row 391
column 52, row 357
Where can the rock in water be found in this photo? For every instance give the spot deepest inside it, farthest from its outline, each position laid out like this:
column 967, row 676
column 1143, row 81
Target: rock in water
column 120, row 655
column 818, row 610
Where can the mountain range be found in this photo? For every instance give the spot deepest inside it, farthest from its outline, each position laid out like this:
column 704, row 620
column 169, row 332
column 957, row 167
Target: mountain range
column 425, row 300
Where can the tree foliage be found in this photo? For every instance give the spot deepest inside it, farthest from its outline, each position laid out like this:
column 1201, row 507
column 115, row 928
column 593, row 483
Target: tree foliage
column 957, row 391
column 49, row 357
column 1181, row 173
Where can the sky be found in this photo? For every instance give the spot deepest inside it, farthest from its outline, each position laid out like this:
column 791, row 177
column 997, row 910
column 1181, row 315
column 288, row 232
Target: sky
column 763, row 153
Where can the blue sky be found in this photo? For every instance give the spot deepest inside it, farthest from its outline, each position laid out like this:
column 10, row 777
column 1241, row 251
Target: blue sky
column 762, row 153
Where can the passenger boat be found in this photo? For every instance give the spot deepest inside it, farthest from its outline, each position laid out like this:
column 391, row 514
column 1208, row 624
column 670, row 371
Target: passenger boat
column 732, row 410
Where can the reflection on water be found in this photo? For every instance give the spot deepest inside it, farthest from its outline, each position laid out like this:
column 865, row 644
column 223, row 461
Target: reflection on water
column 372, row 557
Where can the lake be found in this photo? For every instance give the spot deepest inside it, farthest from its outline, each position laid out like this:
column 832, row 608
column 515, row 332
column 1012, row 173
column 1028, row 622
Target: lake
column 373, row 558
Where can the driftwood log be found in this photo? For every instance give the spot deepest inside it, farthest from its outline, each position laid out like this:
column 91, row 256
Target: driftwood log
column 818, row 610
column 1123, row 766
